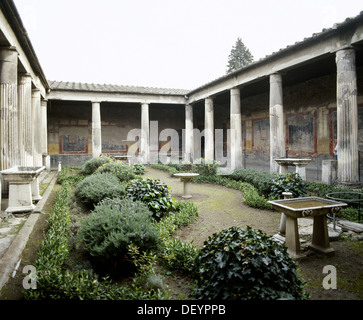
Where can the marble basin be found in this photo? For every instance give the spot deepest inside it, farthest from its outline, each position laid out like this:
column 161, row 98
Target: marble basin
column 300, row 165
column 22, row 173
column 307, row 207
column 185, row 177
column 23, row 187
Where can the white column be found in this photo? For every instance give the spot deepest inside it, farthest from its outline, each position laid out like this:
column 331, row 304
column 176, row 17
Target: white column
column 9, row 108
column 209, row 130
column 236, row 129
column 277, row 122
column 145, row 134
column 347, row 118
column 25, row 120
column 189, row 138
column 37, row 154
column 44, row 133
column 96, row 130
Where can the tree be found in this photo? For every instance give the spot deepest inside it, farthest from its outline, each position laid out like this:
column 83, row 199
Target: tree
column 239, row 57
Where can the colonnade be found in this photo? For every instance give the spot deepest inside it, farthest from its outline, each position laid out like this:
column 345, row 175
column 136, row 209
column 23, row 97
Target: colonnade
column 347, row 121
column 23, row 123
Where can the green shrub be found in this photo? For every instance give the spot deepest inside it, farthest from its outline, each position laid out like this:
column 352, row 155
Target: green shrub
column 204, row 167
column 253, row 199
column 154, row 193
column 241, row 263
column 97, row 187
column 179, row 255
column 139, row 169
column 113, row 225
column 121, row 170
column 261, row 180
column 90, row 166
column 290, row 182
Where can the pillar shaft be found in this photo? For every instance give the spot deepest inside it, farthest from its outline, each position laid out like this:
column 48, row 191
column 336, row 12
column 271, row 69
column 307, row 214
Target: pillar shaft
column 236, row 129
column 96, row 130
column 37, row 138
column 277, row 122
column 8, row 107
column 25, row 120
column 189, row 138
column 347, row 118
column 44, row 129
column 209, row 130
column 145, row 134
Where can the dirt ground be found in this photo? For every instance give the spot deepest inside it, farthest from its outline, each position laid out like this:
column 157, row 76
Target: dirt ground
column 219, row 208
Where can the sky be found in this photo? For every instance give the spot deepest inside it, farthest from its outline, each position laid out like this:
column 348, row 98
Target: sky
column 180, row 44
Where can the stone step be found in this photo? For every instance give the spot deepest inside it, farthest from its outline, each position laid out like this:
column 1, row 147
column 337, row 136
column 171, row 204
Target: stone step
column 353, row 226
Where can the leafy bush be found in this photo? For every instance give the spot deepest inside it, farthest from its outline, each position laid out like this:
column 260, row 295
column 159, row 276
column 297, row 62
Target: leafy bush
column 139, row 169
column 241, row 263
column 184, row 214
column 179, row 255
column 97, row 187
column 154, row 193
column 261, row 180
column 121, row 170
column 290, row 182
column 253, row 199
column 90, row 166
column 113, row 225
column 204, row 167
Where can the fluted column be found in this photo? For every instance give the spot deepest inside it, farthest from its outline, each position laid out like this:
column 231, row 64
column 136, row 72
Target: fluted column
column 347, row 118
column 37, row 138
column 209, row 130
column 9, row 107
column 44, row 132
column 277, row 122
column 236, row 129
column 96, row 130
column 189, row 138
column 145, row 134
column 25, row 120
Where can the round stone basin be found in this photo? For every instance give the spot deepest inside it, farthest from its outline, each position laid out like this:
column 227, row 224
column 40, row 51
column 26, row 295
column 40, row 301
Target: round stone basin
column 293, row 162
column 307, row 206
column 185, row 177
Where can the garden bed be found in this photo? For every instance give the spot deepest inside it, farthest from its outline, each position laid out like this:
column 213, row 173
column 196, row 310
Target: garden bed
column 218, row 208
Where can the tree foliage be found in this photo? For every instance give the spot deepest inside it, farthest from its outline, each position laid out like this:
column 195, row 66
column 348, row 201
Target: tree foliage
column 239, row 57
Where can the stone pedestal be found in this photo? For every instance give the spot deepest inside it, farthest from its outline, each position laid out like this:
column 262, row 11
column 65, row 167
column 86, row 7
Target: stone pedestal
column 185, row 178
column 329, row 171
column 23, row 188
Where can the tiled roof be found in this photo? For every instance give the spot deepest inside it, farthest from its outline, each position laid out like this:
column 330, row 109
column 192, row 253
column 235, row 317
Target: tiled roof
column 113, row 88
